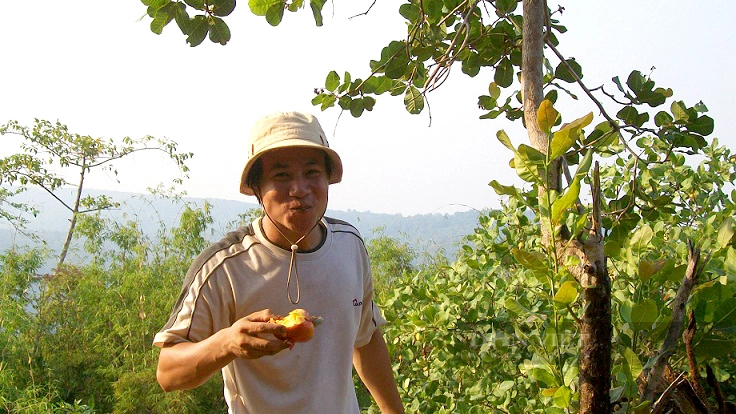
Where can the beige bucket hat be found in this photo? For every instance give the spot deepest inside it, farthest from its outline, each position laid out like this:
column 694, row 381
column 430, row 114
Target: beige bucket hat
column 287, row 129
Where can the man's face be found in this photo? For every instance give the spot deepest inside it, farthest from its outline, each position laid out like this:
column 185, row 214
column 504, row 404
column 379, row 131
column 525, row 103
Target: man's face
column 294, row 188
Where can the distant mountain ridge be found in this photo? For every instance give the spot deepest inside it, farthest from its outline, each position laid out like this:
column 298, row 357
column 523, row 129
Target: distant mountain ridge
column 425, row 233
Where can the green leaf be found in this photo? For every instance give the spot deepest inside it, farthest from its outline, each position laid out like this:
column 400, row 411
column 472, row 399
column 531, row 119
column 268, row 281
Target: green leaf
column 219, row 31
column 508, row 190
column 662, row 118
column 547, row 116
column 562, row 73
column 356, row 107
column 261, row 7
column 195, row 4
column 729, row 265
column 275, row 14
column 332, row 81
column 504, row 75
column 567, row 293
column 316, row 6
column 633, row 364
column 647, row 269
column 562, row 204
column 534, row 261
column 413, row 100
column 724, row 319
column 641, row 238
column 726, row 232
column 628, row 114
column 703, row 125
column 714, row 348
column 198, row 28
column 163, row 16
column 563, row 397
column 222, row 7
column 515, row 307
column 566, row 137
column 679, row 111
column 505, row 140
column 644, row 314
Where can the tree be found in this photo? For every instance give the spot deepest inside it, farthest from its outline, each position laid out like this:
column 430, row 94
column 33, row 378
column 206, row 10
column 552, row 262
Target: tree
column 49, row 148
column 570, row 257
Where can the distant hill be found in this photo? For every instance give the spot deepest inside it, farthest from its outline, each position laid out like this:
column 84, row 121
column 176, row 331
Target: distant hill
column 426, row 233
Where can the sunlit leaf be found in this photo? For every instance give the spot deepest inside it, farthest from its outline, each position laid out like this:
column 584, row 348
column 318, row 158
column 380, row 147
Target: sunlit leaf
column 547, row 116
column 567, row 293
column 647, row 268
column 644, row 314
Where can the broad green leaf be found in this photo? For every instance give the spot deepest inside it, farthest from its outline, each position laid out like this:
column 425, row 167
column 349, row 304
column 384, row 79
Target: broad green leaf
column 703, row 125
column 566, row 137
column 505, row 140
column 662, row 118
column 198, row 28
column 332, row 81
column 628, row 114
column 714, row 347
column 494, row 90
column 644, row 314
column 163, row 17
column 261, row 7
column 513, row 306
column 534, row 261
column 729, row 265
column 413, row 100
column 679, row 111
column 526, row 163
column 508, row 190
column 275, row 14
column 549, row 392
column 633, row 363
column 563, row 397
column 562, row 73
column 222, row 8
column 641, row 238
column 647, row 268
column 726, row 232
column 567, row 293
column 724, row 318
column 562, row 204
column 504, row 75
column 547, row 116
column 316, row 6
column 195, row 4
column 219, row 31
column 584, row 165
column 357, row 107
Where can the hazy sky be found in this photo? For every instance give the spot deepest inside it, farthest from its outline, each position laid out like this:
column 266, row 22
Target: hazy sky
column 96, row 67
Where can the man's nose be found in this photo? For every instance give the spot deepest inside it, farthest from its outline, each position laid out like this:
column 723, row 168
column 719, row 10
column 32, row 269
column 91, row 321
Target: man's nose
column 299, row 187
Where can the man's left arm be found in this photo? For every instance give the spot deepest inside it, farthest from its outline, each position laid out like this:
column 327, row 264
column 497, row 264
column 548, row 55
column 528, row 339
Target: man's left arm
column 373, row 365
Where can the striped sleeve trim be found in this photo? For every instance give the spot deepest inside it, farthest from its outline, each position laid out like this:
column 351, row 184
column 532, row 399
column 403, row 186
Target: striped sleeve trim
column 195, row 268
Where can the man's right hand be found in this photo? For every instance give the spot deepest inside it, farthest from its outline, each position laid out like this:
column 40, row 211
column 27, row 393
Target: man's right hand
column 186, row 365
column 253, row 337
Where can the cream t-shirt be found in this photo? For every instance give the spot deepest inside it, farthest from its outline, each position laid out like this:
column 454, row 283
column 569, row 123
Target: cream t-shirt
column 245, row 273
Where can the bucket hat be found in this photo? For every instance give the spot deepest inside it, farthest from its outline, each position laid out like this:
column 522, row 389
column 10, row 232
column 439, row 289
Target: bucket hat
column 287, row 130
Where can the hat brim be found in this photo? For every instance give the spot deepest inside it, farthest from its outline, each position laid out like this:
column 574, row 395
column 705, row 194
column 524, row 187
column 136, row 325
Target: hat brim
column 335, row 174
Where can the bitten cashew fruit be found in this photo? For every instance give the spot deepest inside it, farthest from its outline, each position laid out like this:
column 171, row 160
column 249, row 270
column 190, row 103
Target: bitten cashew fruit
column 299, row 325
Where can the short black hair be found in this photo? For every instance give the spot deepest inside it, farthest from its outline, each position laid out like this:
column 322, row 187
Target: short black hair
column 255, row 175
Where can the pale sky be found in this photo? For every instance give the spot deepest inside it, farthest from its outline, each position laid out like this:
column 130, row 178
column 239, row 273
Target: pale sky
column 96, row 67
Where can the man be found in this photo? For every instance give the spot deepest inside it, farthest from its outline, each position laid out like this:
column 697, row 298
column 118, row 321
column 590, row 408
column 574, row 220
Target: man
column 292, row 255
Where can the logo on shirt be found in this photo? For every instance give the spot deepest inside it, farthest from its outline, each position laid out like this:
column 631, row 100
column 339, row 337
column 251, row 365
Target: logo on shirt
column 356, row 303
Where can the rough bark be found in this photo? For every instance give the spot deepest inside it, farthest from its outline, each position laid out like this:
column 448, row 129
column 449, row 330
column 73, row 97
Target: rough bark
column 654, row 377
column 596, row 328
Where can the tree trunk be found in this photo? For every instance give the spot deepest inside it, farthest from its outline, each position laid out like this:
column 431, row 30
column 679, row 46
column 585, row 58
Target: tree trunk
column 596, row 329
column 72, row 222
